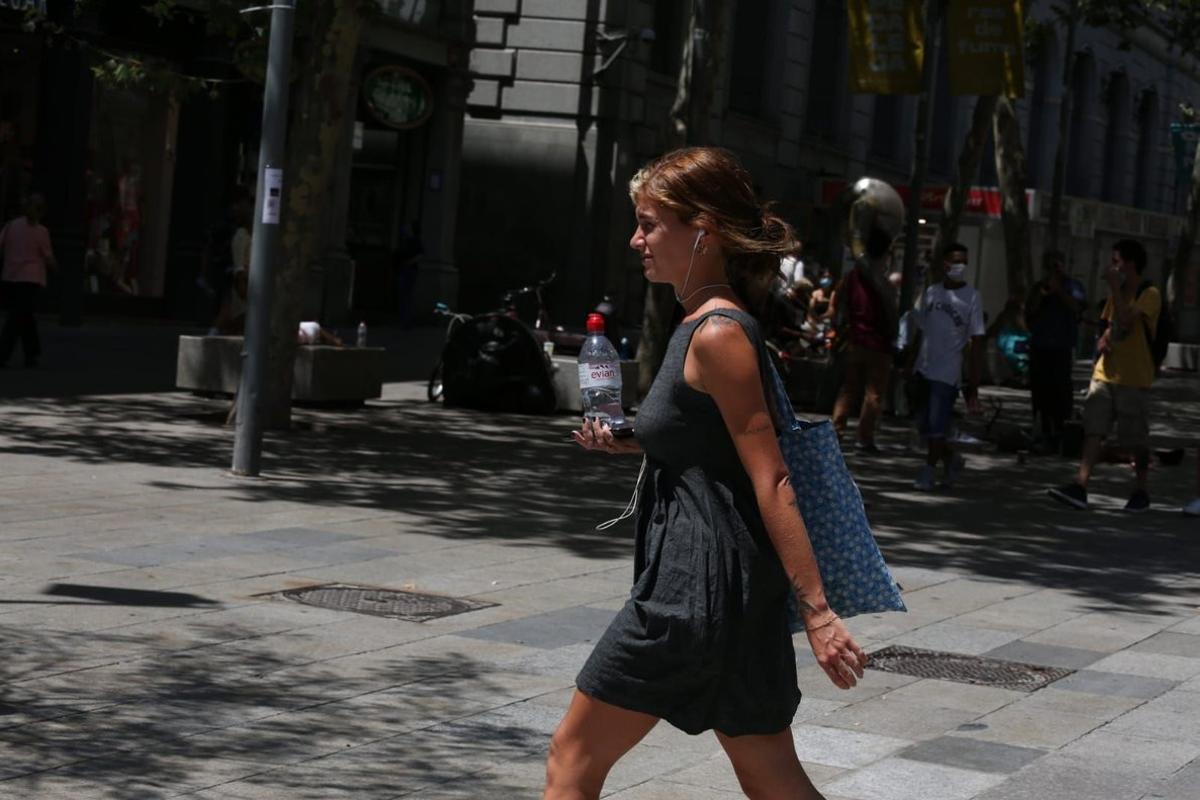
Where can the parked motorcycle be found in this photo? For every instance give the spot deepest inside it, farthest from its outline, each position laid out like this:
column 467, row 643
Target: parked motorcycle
column 500, row 360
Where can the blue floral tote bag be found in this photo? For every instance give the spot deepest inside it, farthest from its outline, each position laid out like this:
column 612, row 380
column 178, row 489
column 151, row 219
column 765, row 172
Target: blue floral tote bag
column 856, row 578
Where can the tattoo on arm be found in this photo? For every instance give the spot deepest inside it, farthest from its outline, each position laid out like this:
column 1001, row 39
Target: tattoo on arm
column 760, row 428
column 801, row 604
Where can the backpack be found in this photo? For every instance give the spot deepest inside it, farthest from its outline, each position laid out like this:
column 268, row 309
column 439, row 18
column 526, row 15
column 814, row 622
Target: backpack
column 1160, row 338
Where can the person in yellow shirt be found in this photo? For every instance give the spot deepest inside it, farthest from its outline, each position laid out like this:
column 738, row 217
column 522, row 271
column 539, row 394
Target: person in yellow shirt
column 1119, row 393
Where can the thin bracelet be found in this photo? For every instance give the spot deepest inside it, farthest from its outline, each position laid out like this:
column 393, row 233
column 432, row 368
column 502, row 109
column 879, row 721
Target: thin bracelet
column 824, row 624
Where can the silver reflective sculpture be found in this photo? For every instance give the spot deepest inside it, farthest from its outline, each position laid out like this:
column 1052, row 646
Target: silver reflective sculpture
column 876, row 217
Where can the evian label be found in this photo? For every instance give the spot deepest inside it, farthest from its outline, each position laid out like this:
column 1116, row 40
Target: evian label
column 599, row 374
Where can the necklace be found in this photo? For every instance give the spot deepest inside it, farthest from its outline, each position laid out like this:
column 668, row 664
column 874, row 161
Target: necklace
column 683, row 300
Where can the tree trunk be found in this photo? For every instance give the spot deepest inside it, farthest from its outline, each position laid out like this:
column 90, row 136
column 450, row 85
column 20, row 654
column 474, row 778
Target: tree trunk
column 1010, row 168
column 687, row 125
column 968, row 167
column 1181, row 264
column 1064, row 124
column 316, row 135
column 908, row 277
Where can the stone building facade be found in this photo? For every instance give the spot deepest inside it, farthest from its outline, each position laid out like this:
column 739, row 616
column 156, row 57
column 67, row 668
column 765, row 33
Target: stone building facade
column 569, row 97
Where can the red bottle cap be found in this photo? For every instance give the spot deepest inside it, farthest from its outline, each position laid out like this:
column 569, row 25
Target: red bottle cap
column 595, row 323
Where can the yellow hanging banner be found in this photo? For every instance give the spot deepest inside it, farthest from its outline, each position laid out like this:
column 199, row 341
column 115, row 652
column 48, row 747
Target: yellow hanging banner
column 987, row 47
column 887, row 46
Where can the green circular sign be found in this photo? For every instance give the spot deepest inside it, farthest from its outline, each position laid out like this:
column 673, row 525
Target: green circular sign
column 398, row 96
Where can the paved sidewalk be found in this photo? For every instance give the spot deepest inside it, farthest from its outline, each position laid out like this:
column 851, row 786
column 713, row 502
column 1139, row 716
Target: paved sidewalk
column 146, row 654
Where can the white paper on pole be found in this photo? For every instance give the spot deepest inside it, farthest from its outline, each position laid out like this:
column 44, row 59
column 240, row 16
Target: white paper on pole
column 272, row 195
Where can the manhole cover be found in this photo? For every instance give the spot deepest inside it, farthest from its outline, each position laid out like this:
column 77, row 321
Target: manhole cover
column 410, row 606
column 965, row 669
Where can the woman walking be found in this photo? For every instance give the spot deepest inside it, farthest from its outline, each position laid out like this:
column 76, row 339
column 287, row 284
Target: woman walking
column 25, row 243
column 703, row 641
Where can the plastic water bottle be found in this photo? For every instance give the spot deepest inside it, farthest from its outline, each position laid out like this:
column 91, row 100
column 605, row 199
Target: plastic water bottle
column 361, row 340
column 600, row 375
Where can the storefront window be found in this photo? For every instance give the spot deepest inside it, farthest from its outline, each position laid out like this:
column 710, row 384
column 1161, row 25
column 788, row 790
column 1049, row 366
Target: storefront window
column 127, row 181
column 18, row 120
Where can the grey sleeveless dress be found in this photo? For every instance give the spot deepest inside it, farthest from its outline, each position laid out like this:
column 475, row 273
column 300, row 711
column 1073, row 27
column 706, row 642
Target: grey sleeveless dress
column 703, row 640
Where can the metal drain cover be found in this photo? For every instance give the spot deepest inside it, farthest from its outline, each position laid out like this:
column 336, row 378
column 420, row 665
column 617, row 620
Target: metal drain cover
column 965, row 669
column 410, row 606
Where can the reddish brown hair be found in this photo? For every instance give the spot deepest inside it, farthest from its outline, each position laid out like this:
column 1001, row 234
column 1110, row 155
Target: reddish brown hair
column 710, row 187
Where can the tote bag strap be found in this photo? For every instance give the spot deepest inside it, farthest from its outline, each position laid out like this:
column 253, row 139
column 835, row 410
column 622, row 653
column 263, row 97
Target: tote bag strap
column 778, row 402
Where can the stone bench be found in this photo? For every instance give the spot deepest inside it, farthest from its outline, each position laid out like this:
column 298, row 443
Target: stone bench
column 322, row 374
column 1182, row 356
column 564, row 371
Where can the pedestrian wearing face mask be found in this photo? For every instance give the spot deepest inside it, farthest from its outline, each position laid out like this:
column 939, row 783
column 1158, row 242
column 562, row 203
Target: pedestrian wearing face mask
column 949, row 321
column 818, row 309
column 1119, row 394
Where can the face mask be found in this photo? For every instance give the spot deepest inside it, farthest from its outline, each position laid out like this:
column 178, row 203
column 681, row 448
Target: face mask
column 955, row 272
column 826, row 283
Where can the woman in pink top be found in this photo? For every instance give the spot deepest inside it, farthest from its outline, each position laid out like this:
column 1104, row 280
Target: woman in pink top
column 25, row 243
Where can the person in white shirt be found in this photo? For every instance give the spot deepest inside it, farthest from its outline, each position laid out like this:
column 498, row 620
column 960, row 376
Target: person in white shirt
column 949, row 320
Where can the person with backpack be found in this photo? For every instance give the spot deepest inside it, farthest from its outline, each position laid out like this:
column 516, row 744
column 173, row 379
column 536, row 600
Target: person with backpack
column 1119, row 394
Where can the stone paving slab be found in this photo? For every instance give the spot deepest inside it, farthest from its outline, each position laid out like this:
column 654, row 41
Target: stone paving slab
column 972, row 754
column 1113, row 683
column 845, row 749
column 902, row 779
column 1064, row 779
column 953, row 637
column 556, row 629
column 1045, row 655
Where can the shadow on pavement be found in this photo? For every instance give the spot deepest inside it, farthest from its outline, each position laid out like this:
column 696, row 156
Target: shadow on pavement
column 462, row 474
column 157, row 722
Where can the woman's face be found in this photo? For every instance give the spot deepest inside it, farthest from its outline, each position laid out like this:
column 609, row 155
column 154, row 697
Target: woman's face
column 663, row 241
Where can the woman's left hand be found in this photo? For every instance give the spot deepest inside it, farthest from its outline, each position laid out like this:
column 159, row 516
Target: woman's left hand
column 596, row 435
column 836, row 651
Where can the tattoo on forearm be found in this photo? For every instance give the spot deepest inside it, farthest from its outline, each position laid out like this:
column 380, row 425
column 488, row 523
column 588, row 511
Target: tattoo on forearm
column 760, row 428
column 802, row 605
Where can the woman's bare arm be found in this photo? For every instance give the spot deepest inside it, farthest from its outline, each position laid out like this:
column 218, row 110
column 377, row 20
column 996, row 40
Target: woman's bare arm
column 727, row 368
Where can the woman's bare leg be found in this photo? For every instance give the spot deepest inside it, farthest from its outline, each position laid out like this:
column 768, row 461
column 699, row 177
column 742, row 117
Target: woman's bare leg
column 589, row 740
column 767, row 767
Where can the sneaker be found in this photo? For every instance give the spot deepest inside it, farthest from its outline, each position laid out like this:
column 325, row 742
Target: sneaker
column 1192, row 509
column 1072, row 494
column 925, row 479
column 954, row 470
column 1139, row 501
column 867, row 448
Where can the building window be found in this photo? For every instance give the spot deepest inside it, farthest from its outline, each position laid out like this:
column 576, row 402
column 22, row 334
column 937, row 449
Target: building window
column 1079, row 153
column 1115, row 135
column 827, row 71
column 751, row 54
column 670, row 27
column 1146, row 165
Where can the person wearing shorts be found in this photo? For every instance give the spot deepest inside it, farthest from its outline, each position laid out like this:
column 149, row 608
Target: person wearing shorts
column 1119, row 395
column 950, row 319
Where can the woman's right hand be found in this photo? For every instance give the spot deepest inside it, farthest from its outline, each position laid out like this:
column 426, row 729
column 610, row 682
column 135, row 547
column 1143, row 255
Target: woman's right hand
column 596, row 435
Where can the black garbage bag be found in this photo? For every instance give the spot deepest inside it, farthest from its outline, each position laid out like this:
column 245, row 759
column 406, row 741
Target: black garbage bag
column 493, row 363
